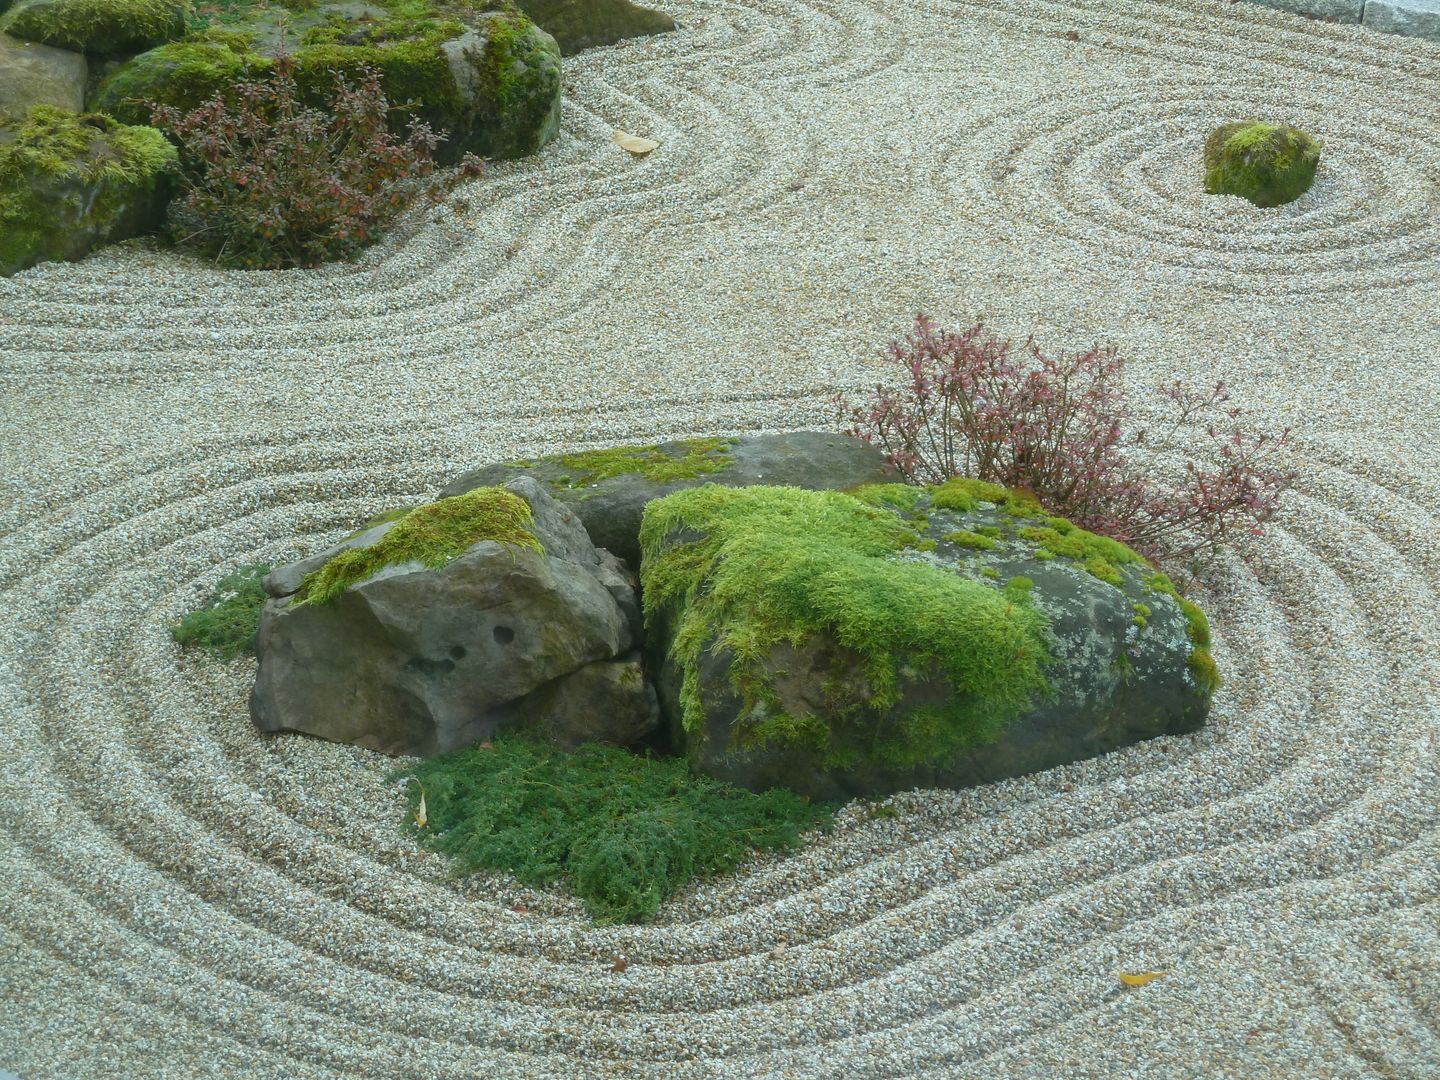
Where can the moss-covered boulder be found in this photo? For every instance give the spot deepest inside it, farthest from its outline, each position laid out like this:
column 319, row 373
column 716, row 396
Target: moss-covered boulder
column 488, row 79
column 584, row 24
column 843, row 645
column 101, row 27
column 1269, row 164
column 463, row 619
column 39, row 75
column 610, row 488
column 69, row 183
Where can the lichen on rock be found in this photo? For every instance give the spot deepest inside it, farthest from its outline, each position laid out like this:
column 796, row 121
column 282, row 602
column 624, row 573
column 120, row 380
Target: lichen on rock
column 1268, row 164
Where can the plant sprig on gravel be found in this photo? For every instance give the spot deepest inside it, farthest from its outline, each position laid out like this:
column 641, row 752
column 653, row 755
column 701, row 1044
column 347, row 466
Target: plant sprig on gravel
column 625, row 831
column 1063, row 429
column 227, row 624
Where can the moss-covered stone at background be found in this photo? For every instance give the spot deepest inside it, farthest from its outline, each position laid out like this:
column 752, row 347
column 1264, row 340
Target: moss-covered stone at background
column 107, row 27
column 183, row 74
column 69, row 183
column 1269, row 164
column 697, row 458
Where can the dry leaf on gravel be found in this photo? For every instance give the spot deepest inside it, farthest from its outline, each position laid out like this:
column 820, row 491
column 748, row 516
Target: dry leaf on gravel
column 422, row 819
column 1141, row 978
column 634, row 144
column 620, row 964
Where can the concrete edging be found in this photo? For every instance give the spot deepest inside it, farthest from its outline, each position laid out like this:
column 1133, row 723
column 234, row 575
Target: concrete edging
column 1409, row 18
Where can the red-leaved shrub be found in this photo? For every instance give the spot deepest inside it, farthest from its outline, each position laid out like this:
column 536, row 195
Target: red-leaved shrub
column 1063, row 429
column 271, row 182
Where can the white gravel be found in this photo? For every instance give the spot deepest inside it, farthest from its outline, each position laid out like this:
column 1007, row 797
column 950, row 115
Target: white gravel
column 180, row 897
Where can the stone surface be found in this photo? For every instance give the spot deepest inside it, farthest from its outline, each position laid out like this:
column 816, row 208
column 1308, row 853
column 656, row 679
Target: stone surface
column 39, row 75
column 81, row 182
column 611, row 508
column 1113, row 682
column 1412, row 18
column 584, row 24
column 101, row 27
column 608, row 701
column 420, row 661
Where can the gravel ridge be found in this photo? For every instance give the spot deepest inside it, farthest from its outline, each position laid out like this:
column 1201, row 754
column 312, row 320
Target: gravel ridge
column 184, row 898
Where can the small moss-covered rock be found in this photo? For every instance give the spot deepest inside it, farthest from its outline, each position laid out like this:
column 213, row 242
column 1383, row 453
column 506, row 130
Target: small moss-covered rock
column 1269, row 164
column 183, row 74
column 69, row 183
column 584, row 24
column 103, row 27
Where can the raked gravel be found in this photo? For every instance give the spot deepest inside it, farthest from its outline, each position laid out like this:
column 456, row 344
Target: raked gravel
column 181, row 897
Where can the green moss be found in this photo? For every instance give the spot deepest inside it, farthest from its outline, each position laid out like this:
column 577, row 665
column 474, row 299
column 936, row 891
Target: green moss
column 1098, row 555
column 1142, row 615
column 412, row 67
column 431, row 535
column 227, row 624
column 990, row 572
column 967, row 539
column 780, row 565
column 1202, row 666
column 183, row 74
column 989, row 530
column 1269, row 164
column 1020, row 584
column 95, row 26
column 624, row 831
column 964, row 494
column 902, row 497
column 699, row 457
column 64, row 176
column 1198, row 625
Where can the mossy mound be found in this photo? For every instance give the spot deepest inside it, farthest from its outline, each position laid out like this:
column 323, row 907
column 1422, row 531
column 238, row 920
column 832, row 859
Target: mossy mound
column 1269, row 164
column 625, row 831
column 430, row 535
column 481, row 74
column 69, row 183
column 183, row 74
column 105, row 27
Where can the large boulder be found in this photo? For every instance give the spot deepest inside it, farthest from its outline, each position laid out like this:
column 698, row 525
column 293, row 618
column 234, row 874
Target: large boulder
column 844, row 645
column 584, row 24
column 39, row 75
column 103, row 27
column 609, row 489
column 70, row 183
column 488, row 80
column 466, row 618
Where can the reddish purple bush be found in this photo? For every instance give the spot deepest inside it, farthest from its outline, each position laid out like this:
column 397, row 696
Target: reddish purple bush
column 270, row 182
column 1063, row 429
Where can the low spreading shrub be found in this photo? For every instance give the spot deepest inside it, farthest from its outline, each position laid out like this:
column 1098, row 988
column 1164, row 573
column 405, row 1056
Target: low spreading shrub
column 1063, row 429
column 271, row 182
column 626, row 831
column 227, row 624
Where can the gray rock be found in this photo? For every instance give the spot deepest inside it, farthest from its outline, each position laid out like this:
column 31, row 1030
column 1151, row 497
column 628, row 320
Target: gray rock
column 611, row 508
column 1412, row 18
column 609, row 701
column 1112, row 680
column 286, row 580
column 39, row 75
column 420, row 661
column 584, row 24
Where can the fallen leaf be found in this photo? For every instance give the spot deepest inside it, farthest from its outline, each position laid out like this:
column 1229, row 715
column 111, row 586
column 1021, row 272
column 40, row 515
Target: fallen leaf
column 778, row 951
column 620, row 964
column 634, row 144
column 1141, row 978
column 421, row 817
column 519, row 909
column 1072, row 35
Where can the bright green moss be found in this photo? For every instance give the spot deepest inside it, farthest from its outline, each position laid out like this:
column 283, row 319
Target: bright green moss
column 183, row 74
column 1269, row 164
column 1098, row 555
column 431, row 535
column 227, row 624
column 990, row 572
column 1199, row 626
column 413, row 69
column 699, row 457
column 991, row 531
column 782, row 565
column 1020, row 584
column 902, row 497
column 96, row 26
column 963, row 493
column 967, row 539
column 625, row 831
column 1142, row 615
column 1202, row 666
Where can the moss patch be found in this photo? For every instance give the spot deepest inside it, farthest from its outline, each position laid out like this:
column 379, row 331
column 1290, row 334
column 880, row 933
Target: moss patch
column 183, row 74
column 227, row 624
column 431, row 535
column 96, row 26
column 1100, row 556
column 779, row 565
column 626, row 832
column 967, row 539
column 698, row 458
column 963, row 493
column 1269, row 164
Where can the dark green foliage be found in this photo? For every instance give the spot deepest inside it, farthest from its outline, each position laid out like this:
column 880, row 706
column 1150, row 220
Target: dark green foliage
column 626, row 831
column 226, row 625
